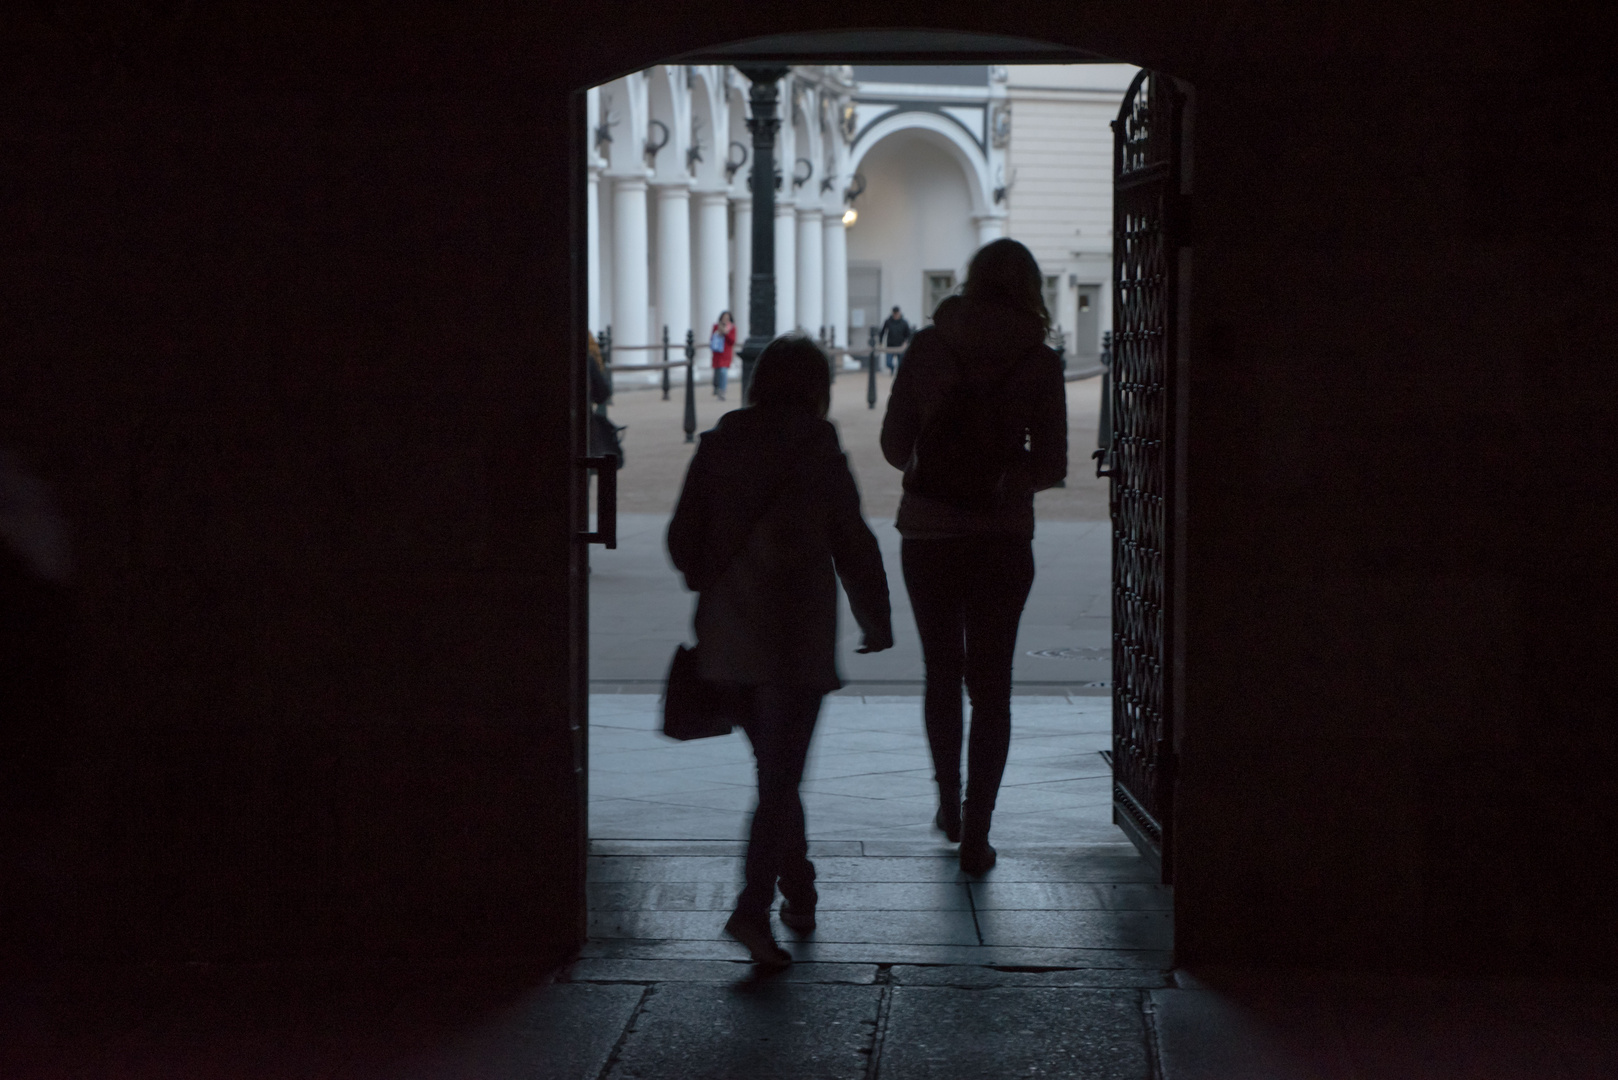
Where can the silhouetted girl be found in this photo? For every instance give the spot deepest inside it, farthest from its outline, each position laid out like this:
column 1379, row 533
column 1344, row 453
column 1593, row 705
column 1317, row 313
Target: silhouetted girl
column 978, row 422
column 768, row 520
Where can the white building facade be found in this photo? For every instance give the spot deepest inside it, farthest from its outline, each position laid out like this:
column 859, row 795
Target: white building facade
column 933, row 161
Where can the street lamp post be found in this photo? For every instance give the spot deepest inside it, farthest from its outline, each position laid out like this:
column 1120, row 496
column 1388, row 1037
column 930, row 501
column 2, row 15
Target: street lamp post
column 763, row 123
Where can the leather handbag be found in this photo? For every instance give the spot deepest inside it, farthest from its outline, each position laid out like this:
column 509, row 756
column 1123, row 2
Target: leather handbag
column 698, row 708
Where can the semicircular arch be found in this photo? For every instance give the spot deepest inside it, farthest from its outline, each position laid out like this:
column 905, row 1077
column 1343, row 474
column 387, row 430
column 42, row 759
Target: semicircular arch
column 942, row 132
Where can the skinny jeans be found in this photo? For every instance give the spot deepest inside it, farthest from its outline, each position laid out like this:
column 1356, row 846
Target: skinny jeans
column 780, row 725
column 968, row 593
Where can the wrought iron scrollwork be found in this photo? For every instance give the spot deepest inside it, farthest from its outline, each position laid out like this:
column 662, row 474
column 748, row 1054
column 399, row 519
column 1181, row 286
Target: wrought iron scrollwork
column 654, row 145
column 1146, row 137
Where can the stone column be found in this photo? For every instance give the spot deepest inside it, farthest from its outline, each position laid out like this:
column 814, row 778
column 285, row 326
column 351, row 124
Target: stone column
column 991, row 227
column 673, row 262
column 713, row 263
column 786, row 268
column 835, row 255
column 631, row 277
column 742, row 268
column 811, row 273
column 592, row 248
column 763, row 123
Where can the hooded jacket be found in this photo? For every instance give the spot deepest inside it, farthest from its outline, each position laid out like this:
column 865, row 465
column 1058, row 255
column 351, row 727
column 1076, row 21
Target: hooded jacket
column 993, row 350
column 768, row 520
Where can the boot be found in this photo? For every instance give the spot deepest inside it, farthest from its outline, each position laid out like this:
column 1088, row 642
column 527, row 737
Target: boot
column 755, row 935
column 976, row 855
column 948, row 818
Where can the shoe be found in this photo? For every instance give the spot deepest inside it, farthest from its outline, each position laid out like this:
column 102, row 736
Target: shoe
column 947, row 822
column 799, row 917
column 758, row 941
column 977, row 856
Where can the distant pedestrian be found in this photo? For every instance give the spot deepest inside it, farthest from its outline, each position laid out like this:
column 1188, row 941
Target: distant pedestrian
column 605, row 439
column 767, row 522
column 722, row 343
column 978, row 422
column 895, row 331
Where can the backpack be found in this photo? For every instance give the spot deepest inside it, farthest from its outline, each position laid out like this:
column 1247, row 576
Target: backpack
column 970, row 447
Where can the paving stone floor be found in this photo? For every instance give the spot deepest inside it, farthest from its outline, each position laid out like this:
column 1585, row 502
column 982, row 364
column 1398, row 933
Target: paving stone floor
column 640, row 609
column 869, row 777
column 614, row 1016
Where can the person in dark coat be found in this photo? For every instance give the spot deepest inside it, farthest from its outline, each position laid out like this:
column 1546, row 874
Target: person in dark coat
column 980, row 375
column 895, row 332
column 767, row 522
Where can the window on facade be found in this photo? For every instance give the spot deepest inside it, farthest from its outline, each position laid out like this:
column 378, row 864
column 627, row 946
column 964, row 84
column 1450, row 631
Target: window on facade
column 936, row 284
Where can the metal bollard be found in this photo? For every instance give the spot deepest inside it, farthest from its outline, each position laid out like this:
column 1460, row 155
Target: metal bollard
column 831, row 352
column 870, row 383
column 690, row 386
column 665, row 362
column 605, row 343
column 1104, row 426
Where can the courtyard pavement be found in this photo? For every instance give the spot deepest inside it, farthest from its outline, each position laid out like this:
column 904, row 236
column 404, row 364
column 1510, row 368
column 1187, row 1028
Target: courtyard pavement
column 640, row 609
column 868, row 780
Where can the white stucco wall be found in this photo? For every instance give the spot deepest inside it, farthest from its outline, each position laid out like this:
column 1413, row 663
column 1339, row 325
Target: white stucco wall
column 1060, row 160
column 915, row 215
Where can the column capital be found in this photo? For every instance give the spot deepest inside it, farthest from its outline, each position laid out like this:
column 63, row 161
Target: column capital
column 711, row 195
column 683, row 183
column 641, row 176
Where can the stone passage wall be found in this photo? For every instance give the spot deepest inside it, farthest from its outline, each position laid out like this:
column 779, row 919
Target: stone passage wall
column 272, row 339
column 284, row 300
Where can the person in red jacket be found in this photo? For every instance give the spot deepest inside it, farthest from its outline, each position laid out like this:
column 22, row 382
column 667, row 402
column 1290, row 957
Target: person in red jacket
column 722, row 342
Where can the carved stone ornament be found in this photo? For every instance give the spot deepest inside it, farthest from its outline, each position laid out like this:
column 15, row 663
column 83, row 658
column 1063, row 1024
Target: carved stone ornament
column 1000, row 125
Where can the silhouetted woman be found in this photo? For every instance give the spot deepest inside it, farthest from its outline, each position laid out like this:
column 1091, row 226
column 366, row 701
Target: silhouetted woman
column 978, row 422
column 767, row 522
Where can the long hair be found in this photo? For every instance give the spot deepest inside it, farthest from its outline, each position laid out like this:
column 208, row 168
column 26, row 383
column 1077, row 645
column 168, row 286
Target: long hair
column 1005, row 273
column 792, row 373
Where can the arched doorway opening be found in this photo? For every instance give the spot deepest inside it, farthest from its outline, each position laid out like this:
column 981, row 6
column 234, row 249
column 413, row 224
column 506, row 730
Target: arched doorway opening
column 963, row 190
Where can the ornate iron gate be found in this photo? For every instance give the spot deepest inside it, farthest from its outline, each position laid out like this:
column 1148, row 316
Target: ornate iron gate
column 1146, row 198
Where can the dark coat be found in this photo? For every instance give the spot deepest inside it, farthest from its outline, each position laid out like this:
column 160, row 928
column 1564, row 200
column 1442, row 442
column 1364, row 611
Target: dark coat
column 895, row 331
column 993, row 351
column 768, row 520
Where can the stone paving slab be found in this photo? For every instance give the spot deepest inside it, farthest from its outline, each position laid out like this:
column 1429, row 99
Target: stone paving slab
column 1323, row 1026
column 943, row 1033
column 952, row 927
column 1011, row 867
column 834, row 896
column 605, row 969
column 810, row 950
column 335, row 1020
column 818, row 849
column 1069, row 896
column 771, row 1029
column 1093, row 929
column 976, row 977
column 561, row 1031
column 1128, row 930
